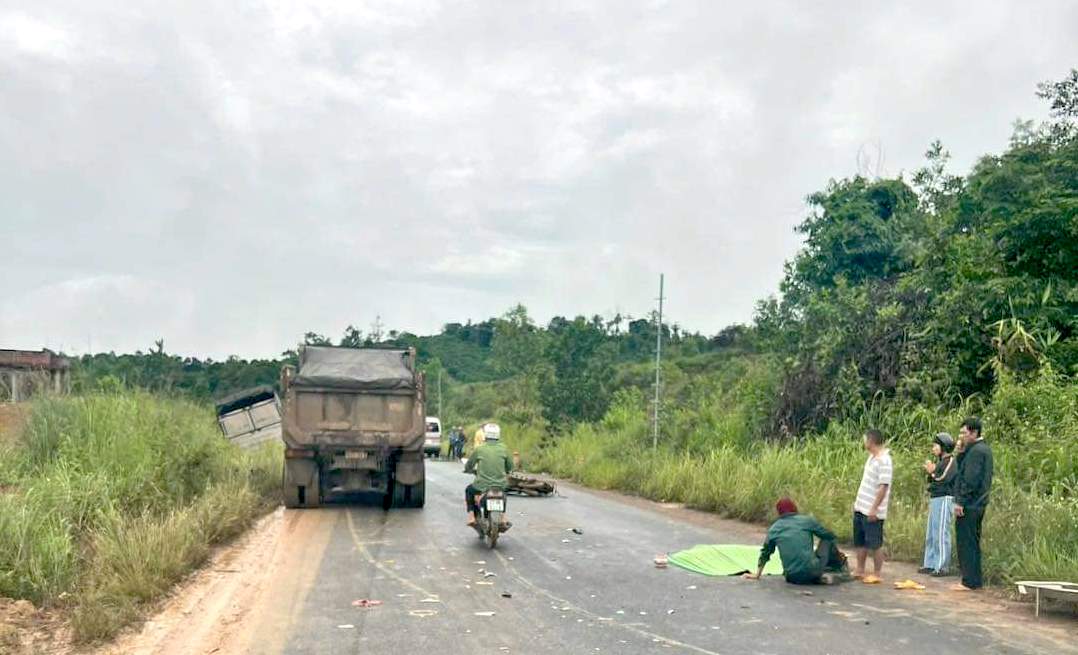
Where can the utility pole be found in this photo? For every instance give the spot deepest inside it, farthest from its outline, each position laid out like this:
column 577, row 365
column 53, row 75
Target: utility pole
column 658, row 364
column 441, row 412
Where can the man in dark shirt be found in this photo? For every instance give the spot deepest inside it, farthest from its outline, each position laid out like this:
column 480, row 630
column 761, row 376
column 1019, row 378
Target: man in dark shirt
column 792, row 534
column 972, row 487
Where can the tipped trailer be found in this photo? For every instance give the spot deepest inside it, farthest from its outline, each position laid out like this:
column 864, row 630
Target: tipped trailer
column 250, row 417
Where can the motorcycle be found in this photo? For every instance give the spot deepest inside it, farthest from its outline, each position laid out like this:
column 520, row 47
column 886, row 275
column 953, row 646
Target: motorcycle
column 489, row 525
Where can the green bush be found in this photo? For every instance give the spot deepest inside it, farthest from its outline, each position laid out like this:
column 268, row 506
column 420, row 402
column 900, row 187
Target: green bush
column 113, row 497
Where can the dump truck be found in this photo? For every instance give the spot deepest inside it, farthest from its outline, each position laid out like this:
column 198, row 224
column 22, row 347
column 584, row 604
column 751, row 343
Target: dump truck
column 250, row 417
column 353, row 422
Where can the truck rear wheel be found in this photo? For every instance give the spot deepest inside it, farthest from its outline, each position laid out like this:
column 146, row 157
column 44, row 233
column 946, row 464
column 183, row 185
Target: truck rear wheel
column 407, row 495
column 415, row 494
column 397, row 495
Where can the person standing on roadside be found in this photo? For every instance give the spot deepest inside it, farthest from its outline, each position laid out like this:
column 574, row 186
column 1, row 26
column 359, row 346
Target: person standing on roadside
column 870, row 507
column 972, row 487
column 941, row 476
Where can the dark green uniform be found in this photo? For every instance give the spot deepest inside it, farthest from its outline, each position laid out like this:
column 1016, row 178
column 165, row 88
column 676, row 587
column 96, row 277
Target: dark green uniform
column 490, row 463
column 801, row 562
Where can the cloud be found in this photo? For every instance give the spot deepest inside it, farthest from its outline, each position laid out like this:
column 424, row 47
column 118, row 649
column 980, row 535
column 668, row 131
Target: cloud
column 32, row 37
column 233, row 176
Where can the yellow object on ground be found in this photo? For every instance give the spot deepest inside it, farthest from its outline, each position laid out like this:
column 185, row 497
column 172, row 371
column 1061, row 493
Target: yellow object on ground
column 909, row 584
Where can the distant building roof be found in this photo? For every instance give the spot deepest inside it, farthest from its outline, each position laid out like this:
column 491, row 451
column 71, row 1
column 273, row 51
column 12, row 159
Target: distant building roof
column 30, row 359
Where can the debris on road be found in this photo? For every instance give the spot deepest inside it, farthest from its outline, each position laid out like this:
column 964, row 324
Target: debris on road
column 484, row 613
column 576, row 531
column 422, row 614
column 506, row 594
column 909, row 584
column 346, row 626
column 366, row 602
column 661, row 561
column 432, row 599
column 527, row 484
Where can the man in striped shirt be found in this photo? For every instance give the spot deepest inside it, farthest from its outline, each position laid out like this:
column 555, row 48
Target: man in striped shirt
column 870, row 508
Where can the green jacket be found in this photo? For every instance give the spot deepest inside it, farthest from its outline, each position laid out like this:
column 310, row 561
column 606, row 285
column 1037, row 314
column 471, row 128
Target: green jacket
column 792, row 535
column 490, row 463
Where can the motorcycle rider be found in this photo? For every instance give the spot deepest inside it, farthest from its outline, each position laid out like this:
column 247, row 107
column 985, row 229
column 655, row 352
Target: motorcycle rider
column 490, row 463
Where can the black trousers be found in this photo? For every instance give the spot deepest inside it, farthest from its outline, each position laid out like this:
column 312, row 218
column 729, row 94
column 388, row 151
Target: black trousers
column 828, row 558
column 967, row 530
column 469, row 499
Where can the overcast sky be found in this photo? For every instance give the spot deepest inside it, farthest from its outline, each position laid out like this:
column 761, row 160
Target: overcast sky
column 229, row 177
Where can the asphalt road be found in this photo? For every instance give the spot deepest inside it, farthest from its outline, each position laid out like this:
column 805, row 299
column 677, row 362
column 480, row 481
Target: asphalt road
column 597, row 592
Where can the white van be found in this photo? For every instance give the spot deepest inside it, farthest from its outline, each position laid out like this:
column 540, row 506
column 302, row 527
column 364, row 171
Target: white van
column 432, row 440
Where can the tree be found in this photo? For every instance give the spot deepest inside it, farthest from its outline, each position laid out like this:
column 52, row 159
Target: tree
column 858, row 231
column 315, row 339
column 517, row 353
column 353, row 337
column 517, row 347
column 1062, row 97
column 937, row 188
column 580, row 382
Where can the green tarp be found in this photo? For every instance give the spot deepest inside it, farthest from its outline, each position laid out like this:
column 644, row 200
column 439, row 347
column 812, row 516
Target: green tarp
column 724, row 559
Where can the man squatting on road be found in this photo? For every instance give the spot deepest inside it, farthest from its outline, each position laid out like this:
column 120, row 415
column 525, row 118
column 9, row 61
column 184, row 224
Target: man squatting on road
column 792, row 534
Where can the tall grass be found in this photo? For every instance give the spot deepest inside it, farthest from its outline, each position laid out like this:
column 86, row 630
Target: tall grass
column 109, row 499
column 1031, row 526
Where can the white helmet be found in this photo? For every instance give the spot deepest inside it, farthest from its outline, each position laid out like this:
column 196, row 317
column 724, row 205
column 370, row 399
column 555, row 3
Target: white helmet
column 491, row 432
